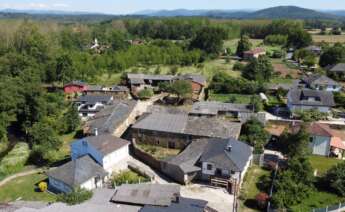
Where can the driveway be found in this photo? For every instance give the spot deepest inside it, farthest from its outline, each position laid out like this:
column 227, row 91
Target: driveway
column 218, row 198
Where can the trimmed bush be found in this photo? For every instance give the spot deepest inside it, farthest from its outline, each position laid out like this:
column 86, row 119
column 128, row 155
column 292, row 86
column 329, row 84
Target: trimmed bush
column 43, row 186
column 75, row 197
column 15, row 160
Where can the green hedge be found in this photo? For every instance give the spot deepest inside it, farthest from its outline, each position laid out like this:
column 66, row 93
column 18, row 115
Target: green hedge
column 15, row 160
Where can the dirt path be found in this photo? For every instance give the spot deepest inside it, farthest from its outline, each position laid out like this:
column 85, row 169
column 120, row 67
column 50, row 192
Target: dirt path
column 20, row 174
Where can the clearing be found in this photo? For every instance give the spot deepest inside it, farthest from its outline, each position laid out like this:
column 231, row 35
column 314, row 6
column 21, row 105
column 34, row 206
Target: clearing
column 25, row 188
column 235, row 98
column 323, row 164
column 160, row 153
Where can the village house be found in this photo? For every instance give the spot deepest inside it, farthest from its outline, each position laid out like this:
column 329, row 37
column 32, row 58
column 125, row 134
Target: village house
column 254, row 53
column 83, row 172
column 317, row 50
column 216, row 161
column 198, row 83
column 306, row 99
column 74, row 87
column 157, row 198
column 113, row 119
column 321, row 82
column 241, row 112
column 325, row 140
column 116, row 91
column 138, row 82
column 338, row 70
column 89, row 105
column 176, row 131
column 93, row 161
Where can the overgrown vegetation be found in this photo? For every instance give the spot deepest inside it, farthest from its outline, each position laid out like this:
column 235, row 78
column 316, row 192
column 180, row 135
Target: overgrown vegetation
column 15, row 160
column 128, row 177
column 75, row 197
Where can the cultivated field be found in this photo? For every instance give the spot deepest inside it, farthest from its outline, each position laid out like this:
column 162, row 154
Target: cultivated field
column 329, row 38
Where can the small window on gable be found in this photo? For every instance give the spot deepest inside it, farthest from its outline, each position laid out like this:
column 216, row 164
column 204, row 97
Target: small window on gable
column 209, row 166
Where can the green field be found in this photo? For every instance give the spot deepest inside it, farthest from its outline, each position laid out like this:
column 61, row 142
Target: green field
column 323, row 164
column 25, row 188
column 318, row 199
column 232, row 44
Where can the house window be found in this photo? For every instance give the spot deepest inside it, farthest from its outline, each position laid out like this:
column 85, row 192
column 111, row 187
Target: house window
column 311, row 140
column 209, row 167
column 157, row 142
column 171, row 145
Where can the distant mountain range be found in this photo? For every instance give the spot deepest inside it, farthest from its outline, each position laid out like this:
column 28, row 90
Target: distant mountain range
column 289, row 12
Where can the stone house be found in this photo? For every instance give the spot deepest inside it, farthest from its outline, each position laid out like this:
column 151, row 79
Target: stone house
column 178, row 130
column 224, row 160
column 113, row 119
column 116, row 91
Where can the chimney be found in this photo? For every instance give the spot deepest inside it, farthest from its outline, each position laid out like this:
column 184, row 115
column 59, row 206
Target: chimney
column 96, row 132
column 229, row 147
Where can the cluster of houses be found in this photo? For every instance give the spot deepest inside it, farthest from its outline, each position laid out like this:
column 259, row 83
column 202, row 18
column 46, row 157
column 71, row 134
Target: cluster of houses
column 206, row 136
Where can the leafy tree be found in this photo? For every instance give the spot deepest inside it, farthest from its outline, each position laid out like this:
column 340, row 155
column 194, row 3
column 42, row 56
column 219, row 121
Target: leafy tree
column 256, row 103
column 209, row 39
column 299, row 38
column 273, row 40
column 182, row 88
column 244, row 44
column 332, row 55
column 335, row 178
column 71, row 119
column 295, row 144
column 260, row 69
column 311, row 115
column 253, row 132
column 294, row 184
column 44, row 140
column 64, row 68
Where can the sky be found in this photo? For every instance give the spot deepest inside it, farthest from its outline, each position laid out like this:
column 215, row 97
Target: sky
column 130, row 6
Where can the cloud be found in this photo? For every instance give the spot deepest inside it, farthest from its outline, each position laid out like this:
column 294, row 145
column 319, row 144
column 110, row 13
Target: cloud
column 60, row 5
column 38, row 5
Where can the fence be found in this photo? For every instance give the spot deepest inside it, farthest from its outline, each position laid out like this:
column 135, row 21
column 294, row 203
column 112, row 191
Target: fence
column 333, row 208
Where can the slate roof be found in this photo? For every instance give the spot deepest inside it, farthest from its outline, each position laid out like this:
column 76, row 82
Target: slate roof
column 189, row 125
column 234, row 160
column 100, row 88
column 213, row 108
column 319, row 79
column 77, row 172
column 139, row 78
column 109, row 119
column 184, row 205
column 106, row 143
column 340, row 67
column 146, row 194
column 194, row 78
column 314, row 48
column 90, row 99
column 323, row 98
column 188, row 158
column 244, row 117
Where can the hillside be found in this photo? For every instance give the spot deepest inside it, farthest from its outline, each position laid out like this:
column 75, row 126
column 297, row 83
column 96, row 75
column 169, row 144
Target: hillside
column 291, row 12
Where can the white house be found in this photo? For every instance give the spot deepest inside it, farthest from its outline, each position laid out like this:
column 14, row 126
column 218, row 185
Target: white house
column 93, row 161
column 322, row 83
column 306, row 99
column 89, row 105
column 226, row 159
column 83, row 172
column 107, row 150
